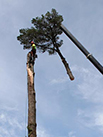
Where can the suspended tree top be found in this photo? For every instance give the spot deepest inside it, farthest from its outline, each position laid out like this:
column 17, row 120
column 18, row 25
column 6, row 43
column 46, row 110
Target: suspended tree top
column 45, row 33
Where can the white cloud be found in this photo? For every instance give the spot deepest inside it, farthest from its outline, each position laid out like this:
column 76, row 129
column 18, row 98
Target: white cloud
column 71, row 134
column 4, row 132
column 90, row 86
column 90, row 89
column 99, row 120
column 91, row 119
column 2, row 118
column 86, row 117
column 41, row 132
column 15, row 123
column 59, row 80
column 7, row 108
column 11, row 121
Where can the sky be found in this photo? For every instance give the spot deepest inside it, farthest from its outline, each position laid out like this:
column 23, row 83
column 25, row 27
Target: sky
column 64, row 108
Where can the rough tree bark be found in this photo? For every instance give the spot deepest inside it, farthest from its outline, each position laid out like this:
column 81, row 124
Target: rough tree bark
column 31, row 100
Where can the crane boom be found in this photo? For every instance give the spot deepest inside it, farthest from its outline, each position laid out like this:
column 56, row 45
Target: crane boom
column 80, row 46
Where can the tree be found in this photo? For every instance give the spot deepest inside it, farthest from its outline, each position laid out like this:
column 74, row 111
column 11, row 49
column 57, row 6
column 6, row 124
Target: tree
column 45, row 33
column 31, row 100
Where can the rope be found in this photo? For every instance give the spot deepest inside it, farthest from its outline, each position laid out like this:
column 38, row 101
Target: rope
column 26, row 99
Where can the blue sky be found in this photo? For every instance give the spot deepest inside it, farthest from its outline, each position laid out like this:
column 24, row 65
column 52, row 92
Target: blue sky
column 64, row 108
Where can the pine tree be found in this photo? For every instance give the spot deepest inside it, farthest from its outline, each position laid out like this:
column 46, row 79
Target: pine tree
column 45, row 33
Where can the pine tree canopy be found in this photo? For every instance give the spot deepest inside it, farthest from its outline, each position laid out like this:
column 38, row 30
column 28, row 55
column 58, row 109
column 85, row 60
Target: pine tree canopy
column 44, row 32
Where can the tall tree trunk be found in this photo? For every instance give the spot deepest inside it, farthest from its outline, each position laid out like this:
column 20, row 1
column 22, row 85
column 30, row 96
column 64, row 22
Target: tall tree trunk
column 31, row 100
column 66, row 65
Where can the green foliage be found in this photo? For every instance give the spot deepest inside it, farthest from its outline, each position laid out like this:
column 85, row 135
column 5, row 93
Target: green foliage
column 44, row 32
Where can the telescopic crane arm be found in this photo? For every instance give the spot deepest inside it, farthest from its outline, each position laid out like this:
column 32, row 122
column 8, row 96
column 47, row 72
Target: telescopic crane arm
column 80, row 46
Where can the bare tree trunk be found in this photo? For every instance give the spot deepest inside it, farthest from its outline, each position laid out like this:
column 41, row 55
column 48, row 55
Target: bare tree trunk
column 66, row 65
column 31, row 100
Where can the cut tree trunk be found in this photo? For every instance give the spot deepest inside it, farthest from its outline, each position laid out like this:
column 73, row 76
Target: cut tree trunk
column 66, row 65
column 31, row 100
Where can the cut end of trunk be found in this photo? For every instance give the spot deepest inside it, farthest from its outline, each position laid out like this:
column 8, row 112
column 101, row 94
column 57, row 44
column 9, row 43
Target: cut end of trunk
column 70, row 74
column 72, row 78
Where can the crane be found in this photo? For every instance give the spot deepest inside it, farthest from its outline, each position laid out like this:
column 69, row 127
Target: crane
column 81, row 47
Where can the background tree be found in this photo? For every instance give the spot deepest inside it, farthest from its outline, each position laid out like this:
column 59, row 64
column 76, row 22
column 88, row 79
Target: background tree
column 45, row 33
